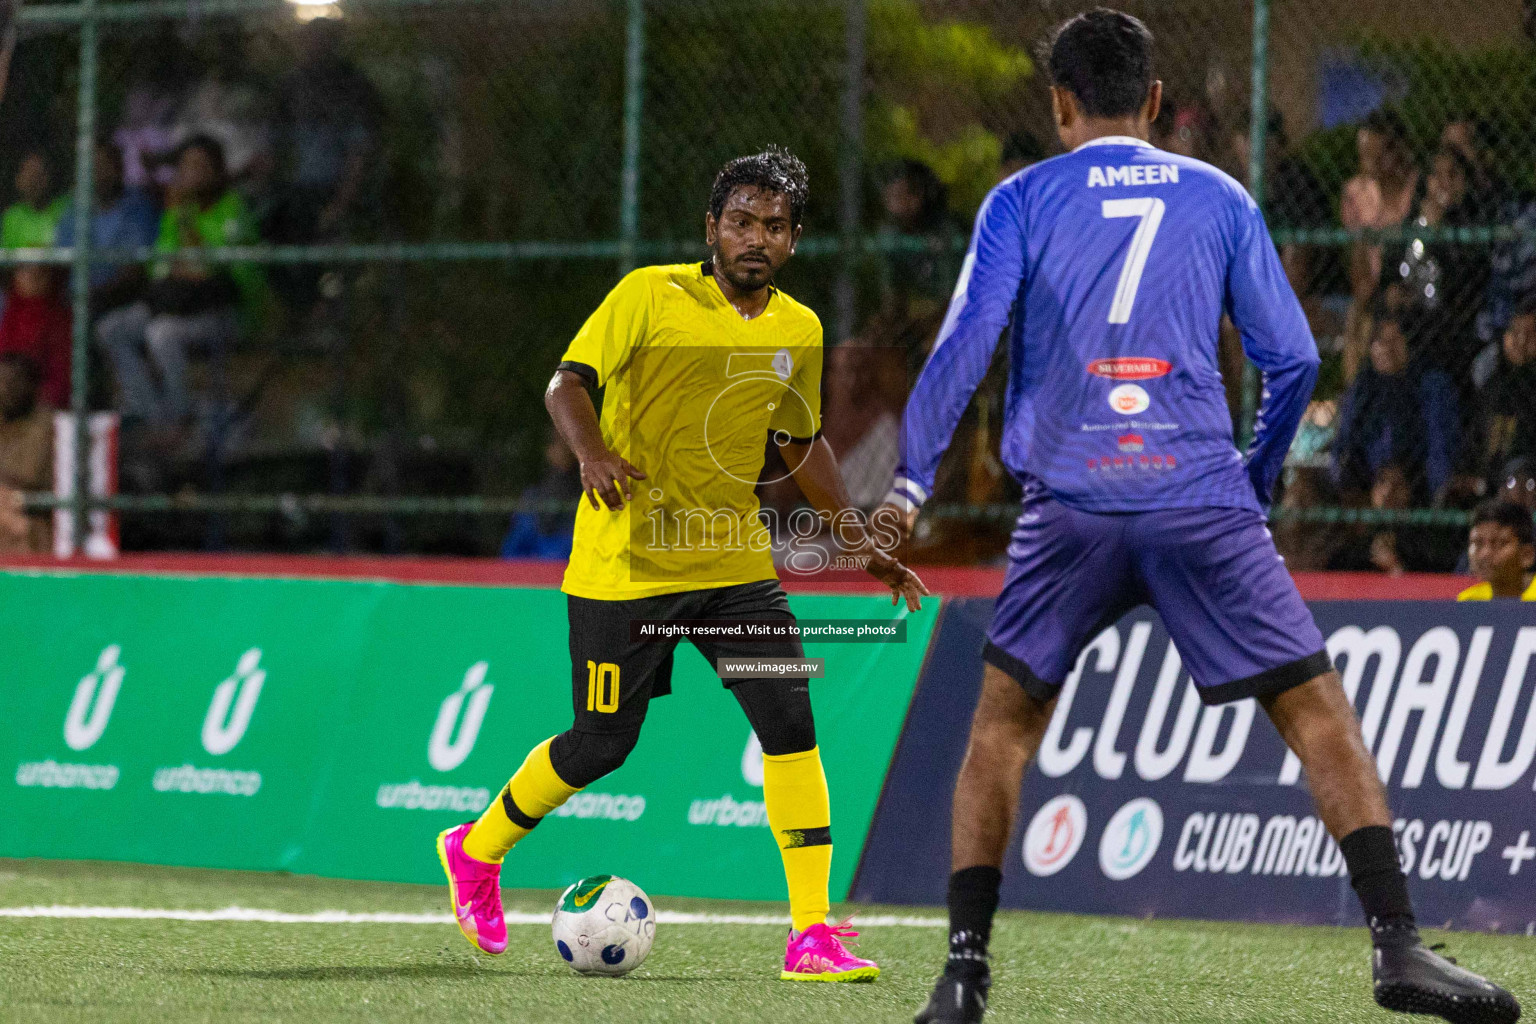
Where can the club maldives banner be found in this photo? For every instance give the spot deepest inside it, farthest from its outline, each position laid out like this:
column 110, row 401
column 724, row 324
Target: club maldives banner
column 1144, row 802
column 334, row 728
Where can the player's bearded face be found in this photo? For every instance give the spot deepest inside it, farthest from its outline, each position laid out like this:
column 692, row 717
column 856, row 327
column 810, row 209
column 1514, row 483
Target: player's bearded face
column 753, row 237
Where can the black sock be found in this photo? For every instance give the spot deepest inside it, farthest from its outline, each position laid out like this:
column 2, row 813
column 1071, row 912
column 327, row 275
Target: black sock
column 1379, row 882
column 972, row 903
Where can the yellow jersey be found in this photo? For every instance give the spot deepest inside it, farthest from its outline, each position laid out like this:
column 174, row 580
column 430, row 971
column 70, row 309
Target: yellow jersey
column 1484, row 592
column 693, row 394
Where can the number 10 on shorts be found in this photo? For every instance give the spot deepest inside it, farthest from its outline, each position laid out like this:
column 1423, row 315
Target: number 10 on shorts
column 602, row 687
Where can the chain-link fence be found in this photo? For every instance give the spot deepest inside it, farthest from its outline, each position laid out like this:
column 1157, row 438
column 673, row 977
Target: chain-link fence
column 332, row 253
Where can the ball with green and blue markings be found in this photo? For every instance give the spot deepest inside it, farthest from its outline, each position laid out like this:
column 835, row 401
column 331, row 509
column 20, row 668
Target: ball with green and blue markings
column 604, row 925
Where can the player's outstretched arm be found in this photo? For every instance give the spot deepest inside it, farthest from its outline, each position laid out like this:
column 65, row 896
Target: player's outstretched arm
column 604, row 473
column 819, row 480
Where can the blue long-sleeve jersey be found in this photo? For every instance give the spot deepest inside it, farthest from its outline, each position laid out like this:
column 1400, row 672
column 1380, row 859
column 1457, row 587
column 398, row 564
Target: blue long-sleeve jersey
column 1114, row 264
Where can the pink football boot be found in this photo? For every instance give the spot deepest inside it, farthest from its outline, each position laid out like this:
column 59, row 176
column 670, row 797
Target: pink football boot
column 475, row 889
column 817, row 954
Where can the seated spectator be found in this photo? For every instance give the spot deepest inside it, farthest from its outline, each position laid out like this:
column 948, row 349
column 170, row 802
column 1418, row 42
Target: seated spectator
column 1501, row 553
column 1020, row 150
column 26, row 456
column 228, row 105
column 161, row 73
column 1293, row 197
column 30, row 222
column 1380, row 195
column 1396, row 548
column 121, row 218
column 1476, row 139
column 1306, row 546
column 1396, row 412
column 1505, row 424
column 916, row 282
column 547, row 533
column 1512, row 277
column 862, row 418
column 1399, row 549
column 1441, row 283
column 36, row 324
column 188, row 305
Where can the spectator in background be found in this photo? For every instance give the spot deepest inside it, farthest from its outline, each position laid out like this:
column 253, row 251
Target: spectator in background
column 1393, row 548
column 1475, row 139
column 30, row 222
column 1505, row 424
column 547, row 533
column 1293, row 197
column 1392, row 492
column 36, row 325
column 1396, row 413
column 157, row 88
column 188, row 305
column 229, row 106
column 862, row 416
column 917, row 282
column 1512, row 277
column 329, row 116
column 26, row 455
column 1020, row 150
column 35, row 321
column 1380, row 195
column 1440, row 283
column 121, row 218
column 1501, row 553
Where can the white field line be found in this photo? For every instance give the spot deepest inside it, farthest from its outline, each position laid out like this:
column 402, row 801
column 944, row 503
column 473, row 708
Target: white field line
column 348, row 917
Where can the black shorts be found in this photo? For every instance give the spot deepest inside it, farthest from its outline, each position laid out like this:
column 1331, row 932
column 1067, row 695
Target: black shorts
column 613, row 678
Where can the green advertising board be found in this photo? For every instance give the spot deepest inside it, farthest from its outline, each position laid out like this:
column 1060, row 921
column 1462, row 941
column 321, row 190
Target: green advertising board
column 334, row 728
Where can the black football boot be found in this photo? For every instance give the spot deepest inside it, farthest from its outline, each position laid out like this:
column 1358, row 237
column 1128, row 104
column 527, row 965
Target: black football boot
column 958, row 998
column 1412, row 978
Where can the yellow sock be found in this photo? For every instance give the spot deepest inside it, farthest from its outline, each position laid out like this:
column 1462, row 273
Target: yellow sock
column 795, row 790
column 533, row 792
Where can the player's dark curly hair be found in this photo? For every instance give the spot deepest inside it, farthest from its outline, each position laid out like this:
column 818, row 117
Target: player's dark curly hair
column 775, row 169
column 1104, row 58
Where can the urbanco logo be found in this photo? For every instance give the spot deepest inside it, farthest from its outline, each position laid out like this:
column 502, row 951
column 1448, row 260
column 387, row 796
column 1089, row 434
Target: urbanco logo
column 464, row 708
column 1131, row 838
column 234, row 701
column 752, row 761
column 1055, row 834
column 95, row 695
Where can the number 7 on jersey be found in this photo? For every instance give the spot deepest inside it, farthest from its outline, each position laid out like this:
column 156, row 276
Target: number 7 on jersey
column 1150, row 210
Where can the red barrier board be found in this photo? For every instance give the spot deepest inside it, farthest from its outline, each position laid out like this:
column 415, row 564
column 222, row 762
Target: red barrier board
column 951, row 581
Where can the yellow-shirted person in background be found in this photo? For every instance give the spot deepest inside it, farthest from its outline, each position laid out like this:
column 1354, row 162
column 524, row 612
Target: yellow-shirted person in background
column 1501, row 553
column 701, row 365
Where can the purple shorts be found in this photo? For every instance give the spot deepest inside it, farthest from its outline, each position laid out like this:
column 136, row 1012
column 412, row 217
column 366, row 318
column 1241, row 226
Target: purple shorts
column 1212, row 574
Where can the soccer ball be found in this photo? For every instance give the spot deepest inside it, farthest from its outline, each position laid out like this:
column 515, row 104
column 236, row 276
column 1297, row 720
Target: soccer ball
column 604, row 925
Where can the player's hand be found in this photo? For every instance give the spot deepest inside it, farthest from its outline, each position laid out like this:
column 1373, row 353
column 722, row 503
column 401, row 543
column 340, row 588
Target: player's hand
column 904, row 583
column 892, row 523
column 607, row 476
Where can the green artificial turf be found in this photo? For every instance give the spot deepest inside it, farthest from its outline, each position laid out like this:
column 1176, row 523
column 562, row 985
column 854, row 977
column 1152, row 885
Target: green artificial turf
column 1048, row 967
